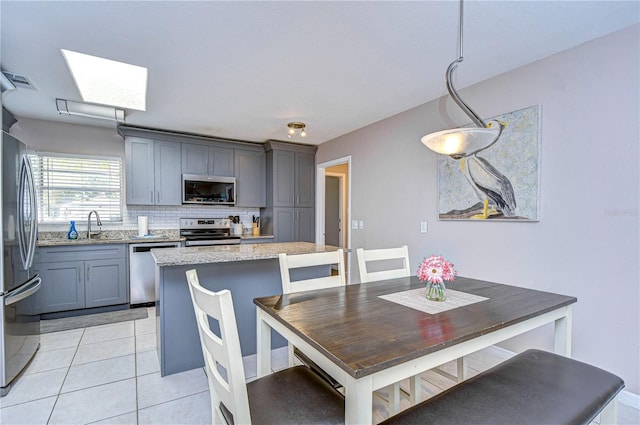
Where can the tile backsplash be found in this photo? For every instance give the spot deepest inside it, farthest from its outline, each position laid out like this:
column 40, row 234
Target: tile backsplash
column 165, row 217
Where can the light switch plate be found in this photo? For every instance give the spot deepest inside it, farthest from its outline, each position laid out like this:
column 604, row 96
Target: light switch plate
column 424, row 228
column 361, row 225
column 354, row 224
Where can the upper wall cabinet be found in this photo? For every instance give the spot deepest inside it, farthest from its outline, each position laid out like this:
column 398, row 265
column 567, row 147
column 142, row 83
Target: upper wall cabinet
column 250, row 171
column 290, row 213
column 290, row 175
column 207, row 160
column 152, row 172
column 155, row 161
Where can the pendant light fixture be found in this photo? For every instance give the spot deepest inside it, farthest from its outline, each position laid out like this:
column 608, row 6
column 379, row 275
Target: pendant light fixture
column 462, row 142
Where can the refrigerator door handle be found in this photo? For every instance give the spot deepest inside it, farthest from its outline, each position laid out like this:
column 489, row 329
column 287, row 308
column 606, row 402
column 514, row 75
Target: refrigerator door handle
column 22, row 244
column 33, row 234
column 29, row 289
column 26, row 183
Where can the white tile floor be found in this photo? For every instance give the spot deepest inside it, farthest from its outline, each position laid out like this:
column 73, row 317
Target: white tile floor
column 110, row 375
column 105, row 374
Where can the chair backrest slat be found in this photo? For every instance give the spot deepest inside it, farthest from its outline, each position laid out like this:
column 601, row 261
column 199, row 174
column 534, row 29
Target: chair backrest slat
column 220, row 351
column 289, row 262
column 371, row 255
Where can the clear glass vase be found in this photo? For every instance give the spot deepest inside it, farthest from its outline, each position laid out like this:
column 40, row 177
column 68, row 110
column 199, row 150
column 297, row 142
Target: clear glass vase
column 436, row 291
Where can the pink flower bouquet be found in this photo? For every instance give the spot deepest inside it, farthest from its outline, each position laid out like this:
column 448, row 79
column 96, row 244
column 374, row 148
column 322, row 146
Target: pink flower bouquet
column 435, row 270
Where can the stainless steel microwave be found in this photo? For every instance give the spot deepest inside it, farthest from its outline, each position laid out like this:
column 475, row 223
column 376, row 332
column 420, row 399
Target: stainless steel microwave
column 199, row 189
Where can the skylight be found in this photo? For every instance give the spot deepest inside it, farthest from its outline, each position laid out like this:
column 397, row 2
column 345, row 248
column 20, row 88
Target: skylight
column 108, row 82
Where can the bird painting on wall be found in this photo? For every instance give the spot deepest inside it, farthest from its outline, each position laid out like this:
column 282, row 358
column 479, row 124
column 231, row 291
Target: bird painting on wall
column 492, row 187
column 498, row 180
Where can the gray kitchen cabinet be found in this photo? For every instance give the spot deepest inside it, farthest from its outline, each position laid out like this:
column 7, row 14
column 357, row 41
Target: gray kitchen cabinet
column 250, row 171
column 106, row 282
column 305, row 226
column 139, row 170
column 62, row 286
column 290, row 213
column 292, row 224
column 305, row 180
column 168, row 179
column 207, row 160
column 82, row 276
column 290, row 175
column 152, row 172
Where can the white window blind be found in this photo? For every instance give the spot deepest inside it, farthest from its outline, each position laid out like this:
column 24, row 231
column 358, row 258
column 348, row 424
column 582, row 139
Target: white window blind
column 69, row 187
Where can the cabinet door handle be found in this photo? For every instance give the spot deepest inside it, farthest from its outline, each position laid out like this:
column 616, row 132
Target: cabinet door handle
column 88, row 274
column 158, row 197
column 151, row 197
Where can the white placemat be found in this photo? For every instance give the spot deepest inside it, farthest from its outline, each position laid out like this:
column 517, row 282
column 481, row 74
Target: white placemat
column 417, row 299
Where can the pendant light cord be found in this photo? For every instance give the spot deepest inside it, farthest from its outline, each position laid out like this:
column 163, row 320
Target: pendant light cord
column 449, row 78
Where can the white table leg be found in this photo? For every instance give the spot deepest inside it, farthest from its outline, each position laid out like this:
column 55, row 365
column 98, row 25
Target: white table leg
column 263, row 345
column 394, row 398
column 358, row 402
column 562, row 336
column 609, row 415
column 462, row 370
column 415, row 389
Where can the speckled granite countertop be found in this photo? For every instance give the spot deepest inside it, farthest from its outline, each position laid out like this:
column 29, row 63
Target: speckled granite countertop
column 120, row 236
column 107, row 237
column 228, row 253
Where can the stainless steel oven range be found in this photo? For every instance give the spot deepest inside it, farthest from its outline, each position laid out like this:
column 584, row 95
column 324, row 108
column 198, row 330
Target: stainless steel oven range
column 207, row 231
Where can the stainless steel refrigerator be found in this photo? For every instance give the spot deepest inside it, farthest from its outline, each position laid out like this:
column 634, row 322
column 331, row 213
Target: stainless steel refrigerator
column 19, row 310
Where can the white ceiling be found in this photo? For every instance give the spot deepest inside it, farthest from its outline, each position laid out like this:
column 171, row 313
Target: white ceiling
column 242, row 70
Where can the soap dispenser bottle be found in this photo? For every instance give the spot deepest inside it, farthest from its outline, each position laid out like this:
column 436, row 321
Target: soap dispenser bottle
column 73, row 233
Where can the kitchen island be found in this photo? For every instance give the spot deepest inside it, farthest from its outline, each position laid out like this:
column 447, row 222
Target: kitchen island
column 247, row 270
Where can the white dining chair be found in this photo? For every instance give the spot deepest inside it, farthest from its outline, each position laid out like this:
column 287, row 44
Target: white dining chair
column 391, row 263
column 290, row 396
column 399, row 257
column 288, row 263
column 326, row 279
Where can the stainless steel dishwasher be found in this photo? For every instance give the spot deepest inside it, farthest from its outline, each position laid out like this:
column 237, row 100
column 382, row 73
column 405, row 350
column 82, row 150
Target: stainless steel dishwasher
column 142, row 287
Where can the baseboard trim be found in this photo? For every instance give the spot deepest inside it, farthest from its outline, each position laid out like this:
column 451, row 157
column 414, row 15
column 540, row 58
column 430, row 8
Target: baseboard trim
column 625, row 397
column 629, row 399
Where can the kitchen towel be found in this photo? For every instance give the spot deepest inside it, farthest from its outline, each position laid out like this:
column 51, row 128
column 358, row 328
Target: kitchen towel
column 143, row 225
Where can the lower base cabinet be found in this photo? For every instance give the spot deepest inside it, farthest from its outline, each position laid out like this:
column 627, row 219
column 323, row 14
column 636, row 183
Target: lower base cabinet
column 62, row 286
column 292, row 224
column 96, row 277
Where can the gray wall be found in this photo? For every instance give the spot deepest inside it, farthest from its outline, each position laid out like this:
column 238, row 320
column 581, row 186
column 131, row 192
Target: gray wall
column 586, row 242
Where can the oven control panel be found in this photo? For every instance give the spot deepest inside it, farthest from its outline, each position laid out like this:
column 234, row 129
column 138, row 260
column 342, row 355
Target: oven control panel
column 205, row 223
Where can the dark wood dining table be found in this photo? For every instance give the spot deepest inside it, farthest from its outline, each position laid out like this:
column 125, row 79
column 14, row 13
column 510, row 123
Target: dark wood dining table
column 367, row 343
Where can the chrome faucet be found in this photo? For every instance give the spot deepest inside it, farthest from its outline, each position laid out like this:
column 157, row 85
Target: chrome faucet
column 98, row 222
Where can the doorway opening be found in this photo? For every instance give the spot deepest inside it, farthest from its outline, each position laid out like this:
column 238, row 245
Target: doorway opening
column 333, row 206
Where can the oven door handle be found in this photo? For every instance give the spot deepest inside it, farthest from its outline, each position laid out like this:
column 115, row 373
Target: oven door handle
column 212, row 242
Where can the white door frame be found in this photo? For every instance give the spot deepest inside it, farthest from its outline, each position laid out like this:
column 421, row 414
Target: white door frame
column 320, row 204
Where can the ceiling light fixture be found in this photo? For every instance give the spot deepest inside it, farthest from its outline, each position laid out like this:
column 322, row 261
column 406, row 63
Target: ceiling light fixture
column 461, row 142
column 297, row 126
column 68, row 107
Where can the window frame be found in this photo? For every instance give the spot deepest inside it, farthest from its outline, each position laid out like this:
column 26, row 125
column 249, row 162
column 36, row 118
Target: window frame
column 109, row 213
